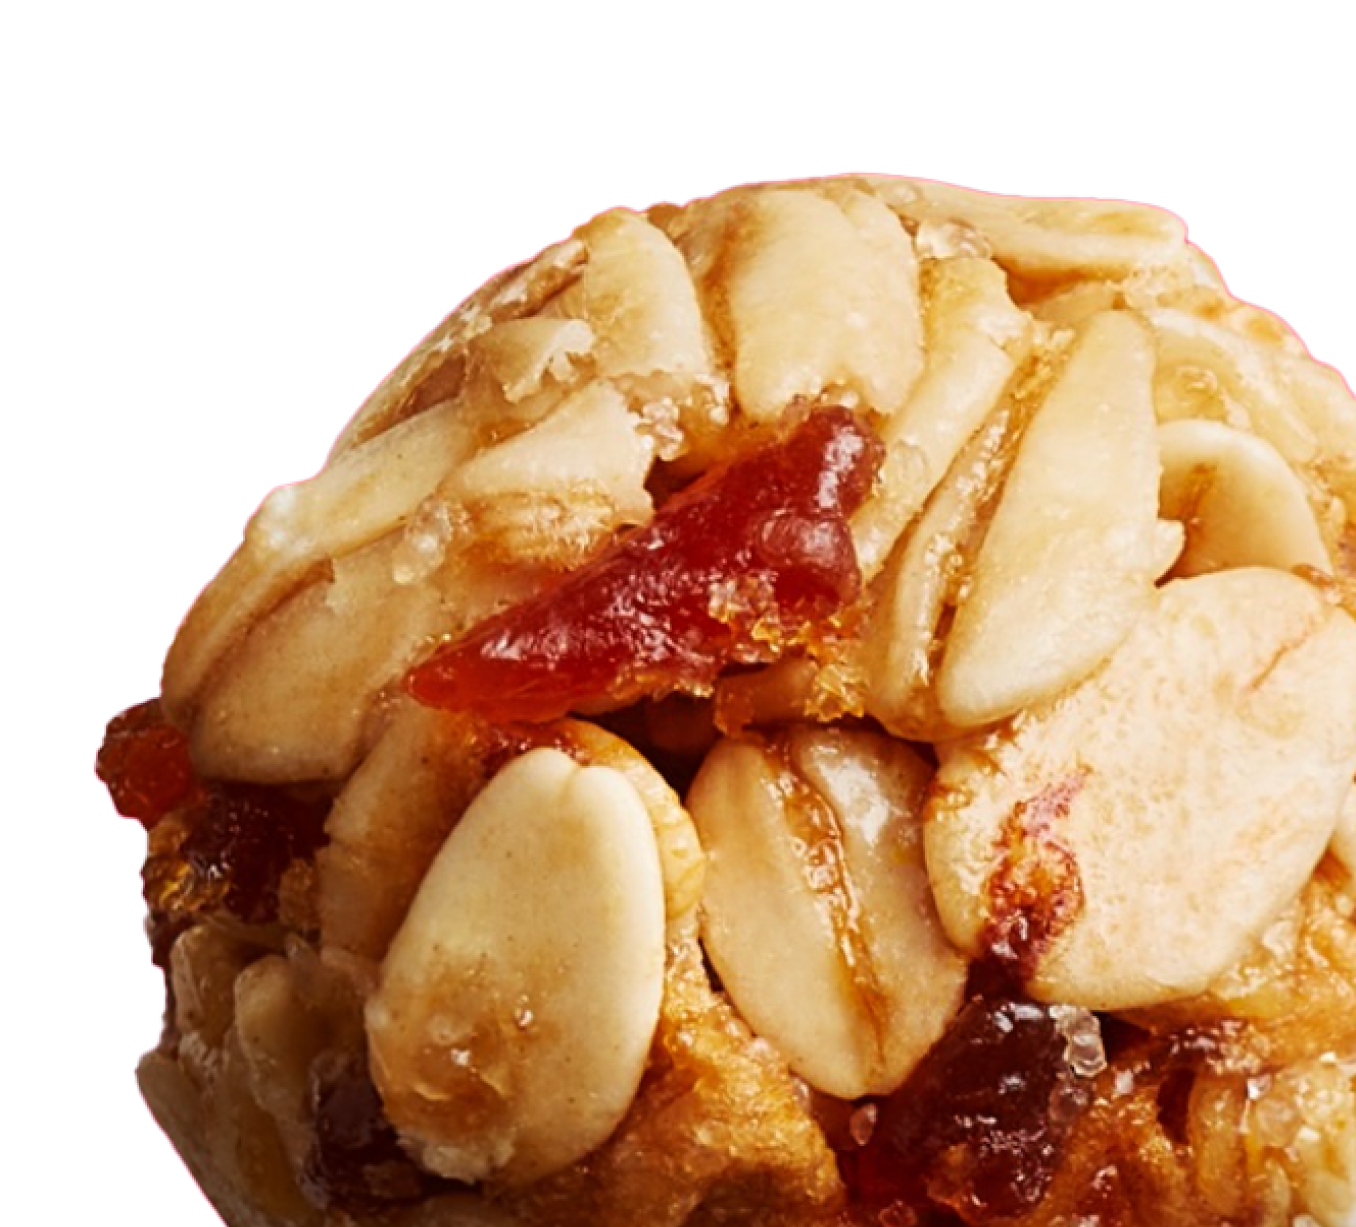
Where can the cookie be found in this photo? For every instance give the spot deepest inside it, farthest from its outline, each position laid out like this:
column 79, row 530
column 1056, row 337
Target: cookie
column 831, row 704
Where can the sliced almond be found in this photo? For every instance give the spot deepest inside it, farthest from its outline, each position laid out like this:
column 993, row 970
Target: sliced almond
column 279, row 1037
column 389, row 822
column 901, row 648
column 822, row 303
column 293, row 700
column 522, row 358
column 1323, row 399
column 975, row 340
column 1127, row 839
column 363, row 495
column 204, row 964
column 572, row 478
column 1240, row 503
column 1208, row 370
column 1045, row 238
column 1070, row 556
column 817, row 912
column 516, row 1005
column 637, row 297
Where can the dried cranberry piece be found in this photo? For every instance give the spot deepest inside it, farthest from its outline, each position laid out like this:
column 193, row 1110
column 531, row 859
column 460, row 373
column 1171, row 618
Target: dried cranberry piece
column 979, row 1127
column 212, row 845
column 228, row 851
column 355, row 1162
column 144, row 763
column 753, row 558
column 246, row 838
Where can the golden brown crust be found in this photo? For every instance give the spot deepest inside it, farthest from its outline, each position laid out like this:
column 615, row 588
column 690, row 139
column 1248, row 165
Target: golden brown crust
column 717, row 1129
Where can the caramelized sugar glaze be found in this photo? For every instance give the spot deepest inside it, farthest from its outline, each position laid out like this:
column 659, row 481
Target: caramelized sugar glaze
column 1014, row 1099
column 847, row 537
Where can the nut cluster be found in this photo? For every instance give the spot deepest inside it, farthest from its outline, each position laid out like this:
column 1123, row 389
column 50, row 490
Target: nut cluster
column 1092, row 721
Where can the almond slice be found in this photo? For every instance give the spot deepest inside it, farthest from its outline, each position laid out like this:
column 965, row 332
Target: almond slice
column 975, row 339
column 822, row 302
column 1241, row 504
column 1125, row 841
column 1046, row 238
column 817, row 911
column 1070, row 556
column 516, row 1005
column 637, row 296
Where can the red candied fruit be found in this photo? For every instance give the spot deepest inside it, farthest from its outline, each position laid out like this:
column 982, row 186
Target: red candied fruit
column 145, row 765
column 978, row 1130
column 753, row 558
column 214, row 846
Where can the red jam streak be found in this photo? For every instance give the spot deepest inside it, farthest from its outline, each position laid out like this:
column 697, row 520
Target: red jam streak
column 979, row 1128
column 214, row 846
column 753, row 558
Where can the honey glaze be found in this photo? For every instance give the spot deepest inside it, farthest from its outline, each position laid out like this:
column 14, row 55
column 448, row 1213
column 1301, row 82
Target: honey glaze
column 752, row 559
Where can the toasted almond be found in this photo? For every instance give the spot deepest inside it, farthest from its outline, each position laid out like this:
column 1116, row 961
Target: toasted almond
column 1069, row 559
column 1117, row 853
column 516, row 1004
column 817, row 912
column 822, row 302
column 975, row 339
column 1240, row 503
